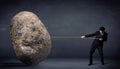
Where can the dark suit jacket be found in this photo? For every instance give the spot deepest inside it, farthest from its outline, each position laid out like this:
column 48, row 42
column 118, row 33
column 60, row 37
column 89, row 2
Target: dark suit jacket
column 98, row 35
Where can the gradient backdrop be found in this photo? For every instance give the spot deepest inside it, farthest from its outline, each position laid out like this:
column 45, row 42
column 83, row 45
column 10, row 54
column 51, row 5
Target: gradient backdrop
column 63, row 18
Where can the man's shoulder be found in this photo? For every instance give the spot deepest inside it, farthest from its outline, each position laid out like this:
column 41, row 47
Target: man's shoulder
column 106, row 33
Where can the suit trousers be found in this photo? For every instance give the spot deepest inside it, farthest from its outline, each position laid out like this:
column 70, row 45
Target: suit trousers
column 100, row 50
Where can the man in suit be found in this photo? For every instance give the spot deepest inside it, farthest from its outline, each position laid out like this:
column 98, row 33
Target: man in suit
column 101, row 36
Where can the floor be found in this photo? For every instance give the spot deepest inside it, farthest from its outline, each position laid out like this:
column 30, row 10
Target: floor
column 59, row 64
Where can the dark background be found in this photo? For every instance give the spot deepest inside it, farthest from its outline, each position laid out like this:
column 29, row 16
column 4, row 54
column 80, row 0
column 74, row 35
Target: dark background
column 63, row 18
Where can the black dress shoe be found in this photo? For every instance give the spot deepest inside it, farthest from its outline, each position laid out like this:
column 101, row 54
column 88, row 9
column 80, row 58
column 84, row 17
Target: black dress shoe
column 90, row 64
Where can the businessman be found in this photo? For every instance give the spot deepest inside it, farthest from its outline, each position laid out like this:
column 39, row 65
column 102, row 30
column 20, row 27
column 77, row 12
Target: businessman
column 100, row 38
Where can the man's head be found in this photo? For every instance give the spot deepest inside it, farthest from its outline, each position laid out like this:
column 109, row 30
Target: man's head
column 102, row 28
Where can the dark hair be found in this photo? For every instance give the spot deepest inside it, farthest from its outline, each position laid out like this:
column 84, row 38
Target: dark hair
column 102, row 28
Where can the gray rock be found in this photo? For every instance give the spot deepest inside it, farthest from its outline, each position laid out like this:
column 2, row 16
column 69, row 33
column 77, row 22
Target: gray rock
column 31, row 41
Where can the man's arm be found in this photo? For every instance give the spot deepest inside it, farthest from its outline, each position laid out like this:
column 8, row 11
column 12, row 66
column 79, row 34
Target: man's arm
column 89, row 35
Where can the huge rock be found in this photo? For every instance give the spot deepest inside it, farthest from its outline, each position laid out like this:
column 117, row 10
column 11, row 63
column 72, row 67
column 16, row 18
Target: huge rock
column 30, row 39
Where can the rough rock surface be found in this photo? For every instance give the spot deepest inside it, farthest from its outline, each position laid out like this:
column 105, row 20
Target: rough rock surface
column 30, row 39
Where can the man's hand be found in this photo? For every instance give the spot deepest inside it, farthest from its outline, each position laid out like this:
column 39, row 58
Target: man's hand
column 100, row 39
column 82, row 36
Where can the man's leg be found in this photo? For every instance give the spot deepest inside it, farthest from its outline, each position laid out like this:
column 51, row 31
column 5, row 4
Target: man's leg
column 92, row 50
column 100, row 50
